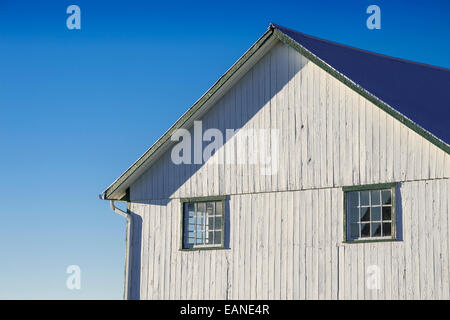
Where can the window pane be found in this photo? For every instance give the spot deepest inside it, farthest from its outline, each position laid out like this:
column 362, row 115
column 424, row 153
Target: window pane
column 218, row 224
column 376, row 214
column 354, row 215
column 353, row 199
column 375, row 197
column 386, row 213
column 354, row 230
column 210, row 237
column 376, row 229
column 364, row 198
column 386, row 196
column 210, row 223
column 210, row 208
column 201, row 207
column 365, row 214
column 217, row 237
column 387, row 229
column 190, row 240
column 365, row 230
column 191, row 209
column 190, row 227
column 199, row 220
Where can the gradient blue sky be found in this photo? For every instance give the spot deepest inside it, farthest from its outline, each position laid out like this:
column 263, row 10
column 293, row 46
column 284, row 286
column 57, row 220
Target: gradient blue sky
column 79, row 106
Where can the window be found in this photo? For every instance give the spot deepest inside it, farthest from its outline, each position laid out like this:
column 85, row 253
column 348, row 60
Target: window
column 369, row 212
column 203, row 223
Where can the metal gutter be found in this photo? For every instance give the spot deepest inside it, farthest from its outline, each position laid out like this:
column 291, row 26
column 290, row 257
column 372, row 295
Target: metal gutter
column 127, row 283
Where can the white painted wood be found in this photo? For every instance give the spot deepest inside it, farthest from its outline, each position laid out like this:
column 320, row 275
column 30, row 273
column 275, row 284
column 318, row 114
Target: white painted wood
column 286, row 230
column 277, row 255
column 303, row 230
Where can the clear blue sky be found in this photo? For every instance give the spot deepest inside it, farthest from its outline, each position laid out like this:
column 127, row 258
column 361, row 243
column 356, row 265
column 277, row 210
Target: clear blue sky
column 79, row 106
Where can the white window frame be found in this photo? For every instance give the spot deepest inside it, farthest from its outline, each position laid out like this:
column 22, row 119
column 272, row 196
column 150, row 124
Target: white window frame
column 186, row 230
column 370, row 222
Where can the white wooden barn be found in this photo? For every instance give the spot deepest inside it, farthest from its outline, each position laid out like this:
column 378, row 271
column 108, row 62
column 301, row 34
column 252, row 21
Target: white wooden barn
column 355, row 204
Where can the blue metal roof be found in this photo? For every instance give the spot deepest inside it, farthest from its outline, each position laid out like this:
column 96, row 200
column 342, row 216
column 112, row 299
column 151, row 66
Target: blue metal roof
column 418, row 91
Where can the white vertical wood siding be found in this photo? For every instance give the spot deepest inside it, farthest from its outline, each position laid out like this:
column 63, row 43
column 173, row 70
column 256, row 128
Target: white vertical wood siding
column 286, row 230
column 288, row 245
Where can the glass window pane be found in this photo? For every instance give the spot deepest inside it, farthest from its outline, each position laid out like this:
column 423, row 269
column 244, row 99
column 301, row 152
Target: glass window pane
column 190, row 227
column 217, row 237
column 365, row 214
column 210, row 237
column 364, row 198
column 376, row 229
column 190, row 240
column 201, row 207
column 218, row 224
column 353, row 199
column 386, row 213
column 376, row 214
column 365, row 230
column 210, row 208
column 190, row 234
column 375, row 197
column 354, row 231
column 191, row 209
column 386, row 229
column 386, row 196
column 210, row 223
column 354, row 215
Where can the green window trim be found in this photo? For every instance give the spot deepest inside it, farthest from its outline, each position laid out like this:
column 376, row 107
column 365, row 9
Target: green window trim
column 203, row 199
column 183, row 201
column 368, row 187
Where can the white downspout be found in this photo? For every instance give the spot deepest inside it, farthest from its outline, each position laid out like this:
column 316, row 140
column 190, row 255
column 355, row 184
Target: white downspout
column 127, row 286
